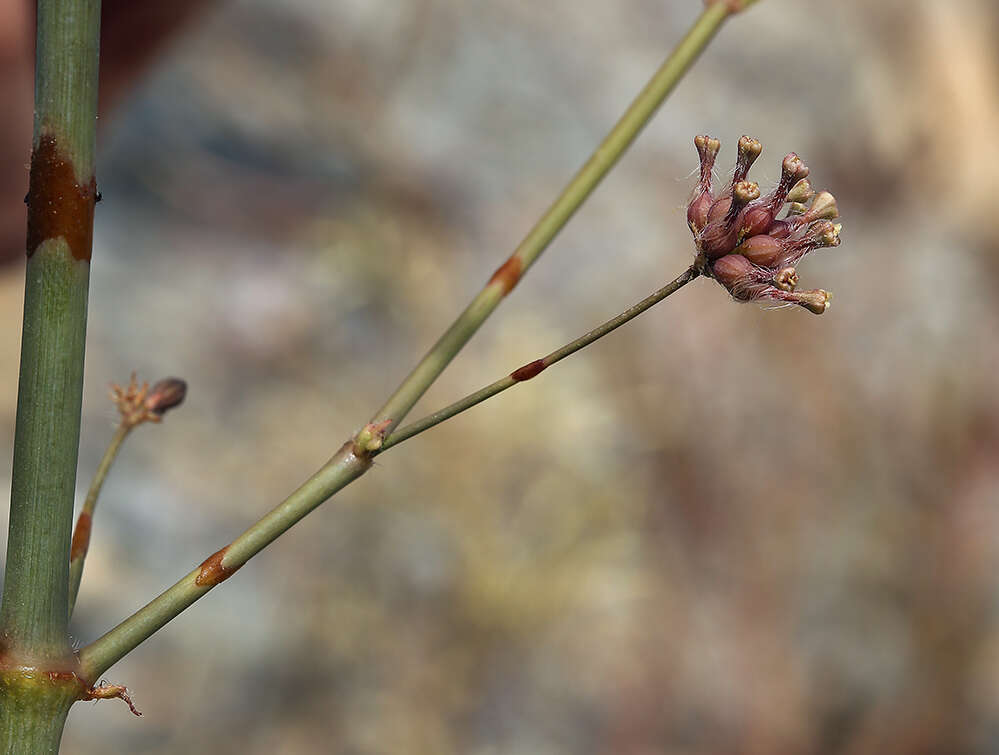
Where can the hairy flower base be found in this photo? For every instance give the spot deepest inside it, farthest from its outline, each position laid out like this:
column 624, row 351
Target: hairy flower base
column 743, row 243
column 749, row 282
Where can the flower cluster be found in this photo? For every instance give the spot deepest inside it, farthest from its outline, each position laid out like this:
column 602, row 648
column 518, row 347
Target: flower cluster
column 740, row 241
column 140, row 403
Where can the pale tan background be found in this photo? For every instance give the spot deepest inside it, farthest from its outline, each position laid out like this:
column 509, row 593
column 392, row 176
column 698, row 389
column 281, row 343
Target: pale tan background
column 722, row 530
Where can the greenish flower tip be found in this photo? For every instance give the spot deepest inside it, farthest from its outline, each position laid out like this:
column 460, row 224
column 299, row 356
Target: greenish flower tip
column 743, row 244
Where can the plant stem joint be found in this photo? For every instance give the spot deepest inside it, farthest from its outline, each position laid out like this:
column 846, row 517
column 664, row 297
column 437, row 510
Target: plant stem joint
column 58, row 204
column 214, row 571
column 528, row 371
column 508, row 274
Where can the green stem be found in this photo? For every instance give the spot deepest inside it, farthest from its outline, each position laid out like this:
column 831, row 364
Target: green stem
column 37, row 679
column 355, row 457
column 532, row 369
column 346, row 466
column 343, row 468
column 33, row 618
column 34, row 712
column 540, row 236
column 81, row 534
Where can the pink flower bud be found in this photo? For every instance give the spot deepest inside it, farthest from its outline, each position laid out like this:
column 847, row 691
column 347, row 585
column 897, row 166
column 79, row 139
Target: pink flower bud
column 720, row 236
column 793, row 170
column 749, row 150
column 779, row 229
column 761, row 250
column 165, row 395
column 739, row 276
column 701, row 200
column 731, row 269
column 707, row 151
column 743, row 244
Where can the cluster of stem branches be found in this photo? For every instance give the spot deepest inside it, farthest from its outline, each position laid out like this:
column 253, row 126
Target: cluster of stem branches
column 380, row 433
column 34, row 616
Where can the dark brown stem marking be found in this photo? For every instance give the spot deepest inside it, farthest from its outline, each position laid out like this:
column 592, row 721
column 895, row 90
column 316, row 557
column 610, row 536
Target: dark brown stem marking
column 212, row 571
column 508, row 274
column 528, row 371
column 58, row 206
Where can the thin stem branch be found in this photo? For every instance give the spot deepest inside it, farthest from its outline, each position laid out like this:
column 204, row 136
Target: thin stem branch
column 540, row 236
column 81, row 533
column 345, row 467
column 532, row 369
column 354, row 458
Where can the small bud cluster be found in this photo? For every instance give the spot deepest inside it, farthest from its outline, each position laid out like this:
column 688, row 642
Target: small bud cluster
column 138, row 404
column 740, row 239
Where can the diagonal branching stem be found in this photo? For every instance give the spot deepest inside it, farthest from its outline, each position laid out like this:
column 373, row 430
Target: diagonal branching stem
column 533, row 369
column 562, row 209
column 355, row 457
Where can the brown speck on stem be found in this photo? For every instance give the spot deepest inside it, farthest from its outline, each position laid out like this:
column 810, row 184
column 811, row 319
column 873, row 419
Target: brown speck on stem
column 508, row 274
column 212, row 571
column 528, row 371
column 81, row 536
column 59, row 206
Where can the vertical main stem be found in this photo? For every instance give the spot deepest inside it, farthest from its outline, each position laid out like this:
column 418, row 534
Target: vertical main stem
column 35, row 597
column 61, row 196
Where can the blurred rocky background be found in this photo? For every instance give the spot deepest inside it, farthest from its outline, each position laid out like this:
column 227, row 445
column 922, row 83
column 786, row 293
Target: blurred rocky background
column 724, row 529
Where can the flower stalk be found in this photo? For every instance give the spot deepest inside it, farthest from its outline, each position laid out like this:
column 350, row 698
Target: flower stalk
column 136, row 405
column 533, row 369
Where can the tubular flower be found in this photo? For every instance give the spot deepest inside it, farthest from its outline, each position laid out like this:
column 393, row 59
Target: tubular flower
column 741, row 241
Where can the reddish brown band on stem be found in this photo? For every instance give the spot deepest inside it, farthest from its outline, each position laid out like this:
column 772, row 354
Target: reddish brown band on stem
column 81, row 536
column 55, row 676
column 212, row 570
column 528, row 371
column 508, row 274
column 58, row 206
column 734, row 6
